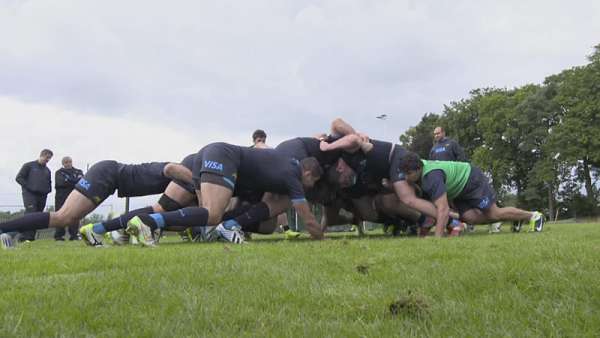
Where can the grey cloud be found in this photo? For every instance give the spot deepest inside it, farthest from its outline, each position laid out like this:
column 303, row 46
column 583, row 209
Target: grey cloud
column 288, row 65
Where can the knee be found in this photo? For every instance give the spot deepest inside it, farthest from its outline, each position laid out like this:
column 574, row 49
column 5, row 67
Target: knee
column 63, row 219
column 158, row 208
column 168, row 170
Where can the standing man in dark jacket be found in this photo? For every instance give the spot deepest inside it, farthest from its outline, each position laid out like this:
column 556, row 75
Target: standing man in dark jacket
column 65, row 179
column 35, row 180
column 445, row 149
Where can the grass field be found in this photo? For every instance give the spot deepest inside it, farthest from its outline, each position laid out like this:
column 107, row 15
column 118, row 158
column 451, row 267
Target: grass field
column 526, row 284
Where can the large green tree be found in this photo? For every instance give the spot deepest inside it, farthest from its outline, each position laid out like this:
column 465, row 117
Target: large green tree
column 539, row 143
column 576, row 134
column 419, row 139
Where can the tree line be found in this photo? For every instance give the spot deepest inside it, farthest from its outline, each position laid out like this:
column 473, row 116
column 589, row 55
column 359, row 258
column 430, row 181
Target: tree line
column 539, row 143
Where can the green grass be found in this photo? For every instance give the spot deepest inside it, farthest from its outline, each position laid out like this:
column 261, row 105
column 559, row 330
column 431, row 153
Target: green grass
column 525, row 284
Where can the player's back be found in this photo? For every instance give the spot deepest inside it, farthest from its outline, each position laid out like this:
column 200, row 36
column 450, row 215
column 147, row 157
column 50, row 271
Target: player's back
column 142, row 179
column 266, row 169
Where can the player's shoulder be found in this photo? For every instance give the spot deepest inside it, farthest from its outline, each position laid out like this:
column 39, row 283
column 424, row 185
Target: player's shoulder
column 434, row 174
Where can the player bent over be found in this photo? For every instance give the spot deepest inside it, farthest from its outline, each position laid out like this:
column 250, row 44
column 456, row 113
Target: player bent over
column 221, row 171
column 101, row 181
column 178, row 194
column 467, row 187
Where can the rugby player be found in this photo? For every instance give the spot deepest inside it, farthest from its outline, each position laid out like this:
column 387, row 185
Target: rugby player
column 259, row 140
column 222, row 171
column 467, row 187
column 101, row 181
column 178, row 194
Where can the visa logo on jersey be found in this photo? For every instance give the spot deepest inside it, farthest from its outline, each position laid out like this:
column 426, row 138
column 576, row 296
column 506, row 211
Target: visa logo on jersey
column 84, row 184
column 484, row 203
column 213, row 165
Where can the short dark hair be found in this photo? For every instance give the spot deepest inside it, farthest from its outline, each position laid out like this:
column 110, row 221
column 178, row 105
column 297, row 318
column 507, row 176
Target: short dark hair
column 311, row 164
column 410, row 162
column 259, row 133
column 46, row 152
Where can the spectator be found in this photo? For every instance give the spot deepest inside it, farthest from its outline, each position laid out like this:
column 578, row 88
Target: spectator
column 35, row 180
column 259, row 139
column 445, row 149
column 65, row 179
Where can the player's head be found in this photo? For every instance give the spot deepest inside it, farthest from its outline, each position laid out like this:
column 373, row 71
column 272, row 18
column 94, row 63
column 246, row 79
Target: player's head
column 311, row 171
column 45, row 156
column 67, row 162
column 411, row 167
column 341, row 175
column 259, row 136
column 438, row 134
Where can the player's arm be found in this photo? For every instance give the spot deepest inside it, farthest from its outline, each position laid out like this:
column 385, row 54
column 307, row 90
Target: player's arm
column 441, row 204
column 434, row 186
column 320, row 136
column 406, row 194
column 349, row 143
column 310, row 221
column 177, row 171
column 23, row 174
column 341, row 127
column 297, row 196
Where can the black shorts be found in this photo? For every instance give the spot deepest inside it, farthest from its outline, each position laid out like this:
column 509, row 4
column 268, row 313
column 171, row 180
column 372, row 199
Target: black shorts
column 396, row 159
column 100, row 181
column 142, row 179
column 218, row 159
column 251, row 197
column 477, row 193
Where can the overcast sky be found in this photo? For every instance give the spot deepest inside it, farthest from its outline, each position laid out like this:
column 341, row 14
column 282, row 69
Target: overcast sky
column 155, row 80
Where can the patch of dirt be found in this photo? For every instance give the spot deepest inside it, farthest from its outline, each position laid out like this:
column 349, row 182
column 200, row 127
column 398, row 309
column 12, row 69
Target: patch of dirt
column 411, row 305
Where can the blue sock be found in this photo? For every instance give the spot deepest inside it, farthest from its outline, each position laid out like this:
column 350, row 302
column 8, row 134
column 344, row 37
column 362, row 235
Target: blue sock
column 99, row 228
column 159, row 219
column 230, row 224
column 186, row 217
